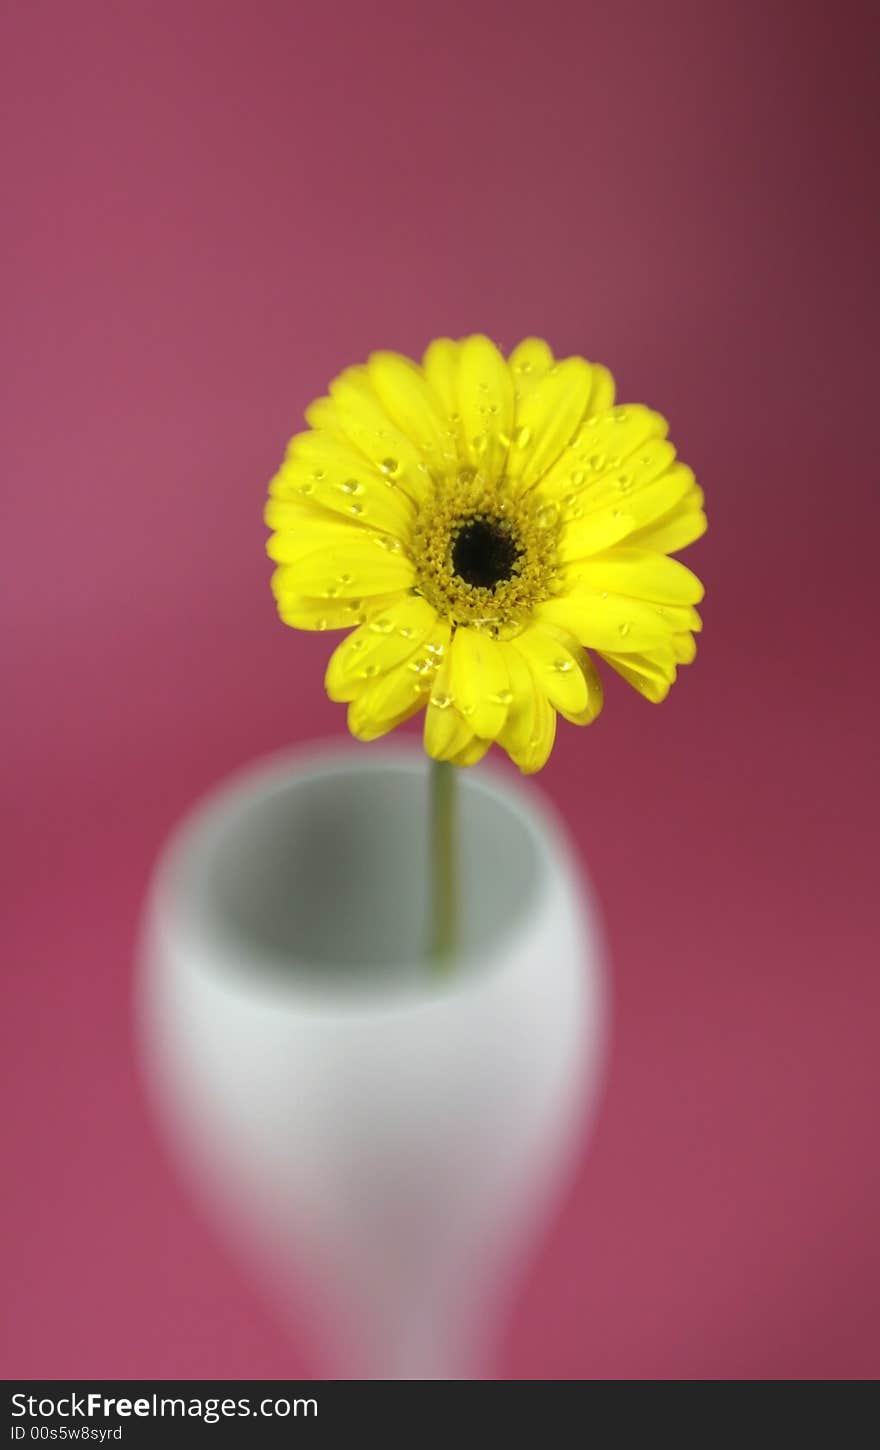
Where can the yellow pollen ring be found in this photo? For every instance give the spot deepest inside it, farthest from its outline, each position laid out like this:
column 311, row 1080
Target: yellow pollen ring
column 531, row 525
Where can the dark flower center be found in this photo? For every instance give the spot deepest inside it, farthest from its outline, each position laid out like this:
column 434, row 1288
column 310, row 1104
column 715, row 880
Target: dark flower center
column 484, row 553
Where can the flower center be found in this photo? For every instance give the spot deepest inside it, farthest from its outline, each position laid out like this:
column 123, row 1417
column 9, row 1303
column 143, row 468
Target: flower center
column 484, row 556
column 484, row 553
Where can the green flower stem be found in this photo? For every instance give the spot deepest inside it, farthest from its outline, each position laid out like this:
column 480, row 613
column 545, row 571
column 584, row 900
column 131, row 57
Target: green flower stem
column 444, row 865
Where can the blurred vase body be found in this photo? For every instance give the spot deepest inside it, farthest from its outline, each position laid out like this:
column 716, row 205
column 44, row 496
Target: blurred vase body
column 385, row 1135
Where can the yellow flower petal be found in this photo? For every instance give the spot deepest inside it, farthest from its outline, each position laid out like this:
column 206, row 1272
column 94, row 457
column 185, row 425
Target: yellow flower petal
column 641, row 573
column 544, row 736
column 353, row 412
column 323, row 533
column 295, row 516
column 386, row 640
column 560, row 670
column 595, row 694
column 400, row 692
column 301, row 612
column 332, row 471
column 446, row 731
column 618, row 518
column 472, row 753
column 528, row 363
column 292, row 509
column 602, row 395
column 651, row 675
column 322, row 469
column 519, row 727
column 607, row 621
column 547, row 419
column 530, row 728
column 478, row 681
column 485, row 402
column 603, row 478
column 619, row 431
column 301, row 527
column 345, row 568
column 441, row 364
column 683, row 525
column 413, row 405
column 364, row 725
column 602, row 446
column 680, row 617
column 684, row 648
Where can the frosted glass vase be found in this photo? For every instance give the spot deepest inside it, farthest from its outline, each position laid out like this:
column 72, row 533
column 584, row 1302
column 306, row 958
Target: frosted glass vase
column 381, row 1139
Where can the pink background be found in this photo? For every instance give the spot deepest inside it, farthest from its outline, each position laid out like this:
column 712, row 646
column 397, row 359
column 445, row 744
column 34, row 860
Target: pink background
column 210, row 208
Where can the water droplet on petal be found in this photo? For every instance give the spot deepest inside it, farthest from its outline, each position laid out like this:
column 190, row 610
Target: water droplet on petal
column 345, row 578
column 623, row 628
column 369, row 671
column 355, row 509
column 441, row 702
column 351, row 485
column 503, row 697
column 578, row 476
column 382, row 625
column 597, row 461
column 547, row 516
column 389, row 465
column 522, row 437
column 563, row 666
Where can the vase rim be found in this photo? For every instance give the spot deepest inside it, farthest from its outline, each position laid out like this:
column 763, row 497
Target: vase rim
column 290, row 980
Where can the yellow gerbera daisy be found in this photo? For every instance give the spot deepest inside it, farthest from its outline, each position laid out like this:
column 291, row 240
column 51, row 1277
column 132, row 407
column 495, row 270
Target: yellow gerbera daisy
column 478, row 524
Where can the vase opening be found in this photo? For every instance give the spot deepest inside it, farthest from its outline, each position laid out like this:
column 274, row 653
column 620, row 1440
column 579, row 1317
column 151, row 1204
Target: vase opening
column 319, row 870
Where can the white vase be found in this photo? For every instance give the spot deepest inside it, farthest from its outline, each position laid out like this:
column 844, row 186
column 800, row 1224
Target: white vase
column 389, row 1136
